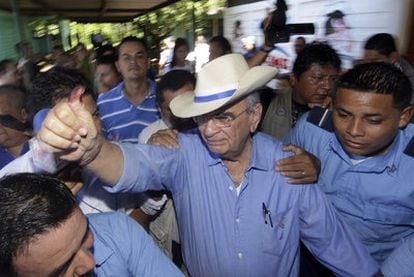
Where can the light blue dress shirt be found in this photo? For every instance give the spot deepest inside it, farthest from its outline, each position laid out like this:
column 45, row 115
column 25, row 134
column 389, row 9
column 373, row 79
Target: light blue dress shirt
column 121, row 119
column 225, row 234
column 122, row 248
column 376, row 196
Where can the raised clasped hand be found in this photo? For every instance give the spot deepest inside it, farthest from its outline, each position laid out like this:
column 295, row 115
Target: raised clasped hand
column 69, row 132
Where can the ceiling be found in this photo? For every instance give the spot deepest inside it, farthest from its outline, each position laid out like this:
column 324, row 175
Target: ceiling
column 87, row 10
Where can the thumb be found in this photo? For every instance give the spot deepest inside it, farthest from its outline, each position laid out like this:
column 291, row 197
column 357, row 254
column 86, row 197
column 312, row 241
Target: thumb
column 75, row 102
column 75, row 97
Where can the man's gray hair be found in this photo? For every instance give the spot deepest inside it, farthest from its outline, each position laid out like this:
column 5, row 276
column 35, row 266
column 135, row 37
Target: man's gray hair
column 252, row 100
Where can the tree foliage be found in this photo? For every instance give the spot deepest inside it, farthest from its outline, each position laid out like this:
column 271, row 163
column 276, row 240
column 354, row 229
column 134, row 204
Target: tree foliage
column 185, row 15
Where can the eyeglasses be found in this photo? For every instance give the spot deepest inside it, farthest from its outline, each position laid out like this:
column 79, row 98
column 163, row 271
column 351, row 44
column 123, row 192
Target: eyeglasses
column 222, row 120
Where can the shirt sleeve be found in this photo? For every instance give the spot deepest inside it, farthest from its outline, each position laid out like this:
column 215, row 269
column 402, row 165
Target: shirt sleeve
column 330, row 240
column 125, row 246
column 400, row 263
column 147, row 167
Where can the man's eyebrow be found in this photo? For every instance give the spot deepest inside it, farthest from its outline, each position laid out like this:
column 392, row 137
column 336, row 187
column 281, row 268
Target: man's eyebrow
column 365, row 115
column 58, row 271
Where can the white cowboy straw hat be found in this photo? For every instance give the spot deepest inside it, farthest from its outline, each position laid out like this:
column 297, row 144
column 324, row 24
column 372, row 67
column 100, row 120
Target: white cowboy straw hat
column 221, row 82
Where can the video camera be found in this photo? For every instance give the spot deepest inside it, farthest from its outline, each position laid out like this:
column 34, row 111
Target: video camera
column 283, row 33
column 276, row 30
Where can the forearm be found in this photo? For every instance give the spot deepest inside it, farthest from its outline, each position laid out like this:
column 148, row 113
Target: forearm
column 108, row 164
column 257, row 59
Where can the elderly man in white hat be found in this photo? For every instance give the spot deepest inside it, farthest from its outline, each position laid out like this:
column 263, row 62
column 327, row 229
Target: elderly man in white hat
column 237, row 216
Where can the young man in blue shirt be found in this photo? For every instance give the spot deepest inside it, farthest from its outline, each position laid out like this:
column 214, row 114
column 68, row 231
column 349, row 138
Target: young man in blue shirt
column 130, row 106
column 44, row 233
column 366, row 150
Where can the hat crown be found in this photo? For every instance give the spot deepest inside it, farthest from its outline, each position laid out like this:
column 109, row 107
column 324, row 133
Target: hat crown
column 220, row 78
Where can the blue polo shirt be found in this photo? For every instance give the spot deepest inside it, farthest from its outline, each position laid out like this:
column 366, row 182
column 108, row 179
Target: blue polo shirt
column 375, row 196
column 121, row 119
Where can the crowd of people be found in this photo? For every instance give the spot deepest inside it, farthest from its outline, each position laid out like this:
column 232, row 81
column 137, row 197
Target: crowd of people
column 204, row 171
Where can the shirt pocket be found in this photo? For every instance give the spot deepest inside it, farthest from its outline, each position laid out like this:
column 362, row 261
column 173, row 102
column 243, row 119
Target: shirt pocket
column 281, row 237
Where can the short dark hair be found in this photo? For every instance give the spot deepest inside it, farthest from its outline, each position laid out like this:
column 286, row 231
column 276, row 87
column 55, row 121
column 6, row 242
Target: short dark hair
column 54, row 85
column 301, row 38
column 109, row 59
column 173, row 81
column 315, row 53
column 3, row 65
column 30, row 205
column 381, row 78
column 223, row 43
column 382, row 42
column 15, row 95
column 133, row 39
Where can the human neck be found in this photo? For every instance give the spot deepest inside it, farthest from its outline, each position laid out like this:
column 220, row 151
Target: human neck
column 296, row 98
column 136, row 90
column 238, row 164
column 16, row 149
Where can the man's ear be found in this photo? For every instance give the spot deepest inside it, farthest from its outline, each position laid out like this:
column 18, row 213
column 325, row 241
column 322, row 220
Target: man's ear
column 23, row 115
column 393, row 57
column 293, row 80
column 117, row 67
column 255, row 117
column 405, row 116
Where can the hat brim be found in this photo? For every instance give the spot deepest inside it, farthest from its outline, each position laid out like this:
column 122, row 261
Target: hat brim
column 184, row 106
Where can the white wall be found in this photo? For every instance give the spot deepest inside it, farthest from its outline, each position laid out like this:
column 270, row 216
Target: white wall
column 363, row 18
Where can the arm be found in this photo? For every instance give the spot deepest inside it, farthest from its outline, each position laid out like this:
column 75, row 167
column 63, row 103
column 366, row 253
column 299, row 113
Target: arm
column 329, row 239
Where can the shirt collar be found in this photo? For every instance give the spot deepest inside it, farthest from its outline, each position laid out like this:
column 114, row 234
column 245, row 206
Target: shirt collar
column 380, row 163
column 101, row 251
column 256, row 161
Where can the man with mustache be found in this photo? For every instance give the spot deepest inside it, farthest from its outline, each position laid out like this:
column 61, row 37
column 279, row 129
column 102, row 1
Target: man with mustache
column 313, row 80
column 366, row 148
column 129, row 107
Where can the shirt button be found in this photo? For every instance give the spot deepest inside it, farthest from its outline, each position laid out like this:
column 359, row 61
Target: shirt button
column 231, row 188
column 240, row 255
column 237, row 220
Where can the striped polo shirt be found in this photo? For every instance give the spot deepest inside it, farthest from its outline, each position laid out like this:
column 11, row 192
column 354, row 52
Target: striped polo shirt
column 121, row 119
